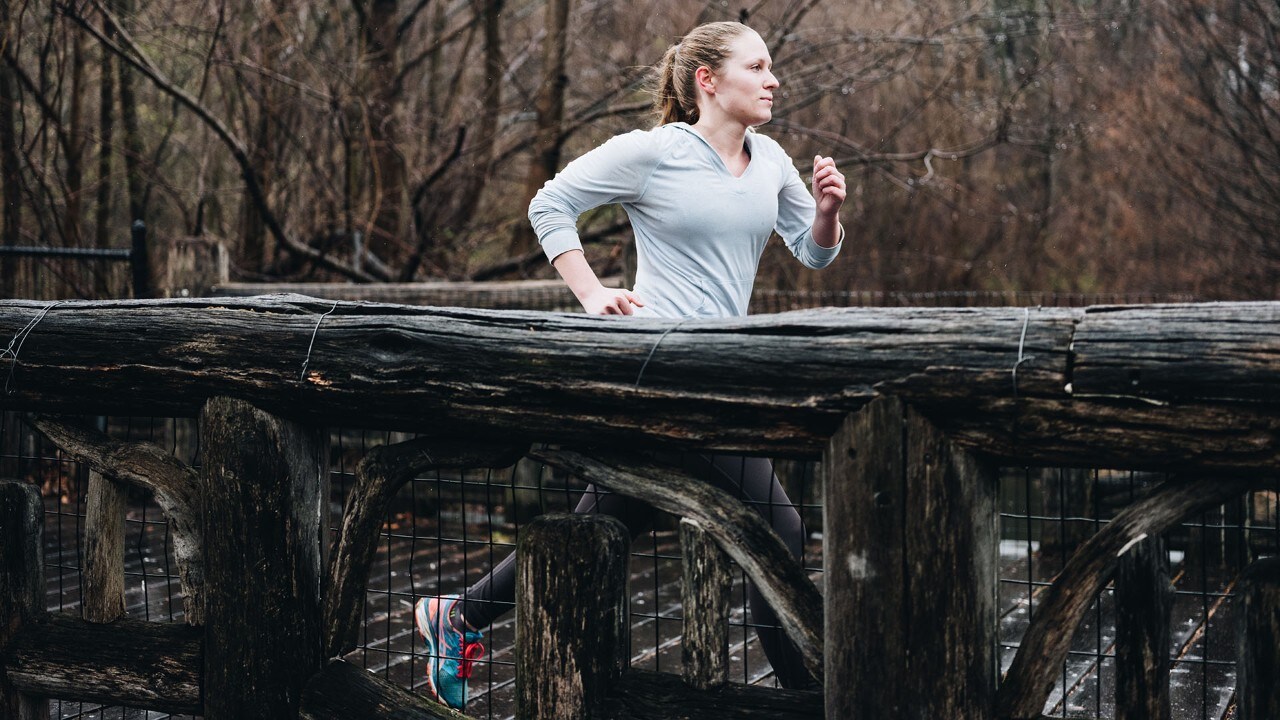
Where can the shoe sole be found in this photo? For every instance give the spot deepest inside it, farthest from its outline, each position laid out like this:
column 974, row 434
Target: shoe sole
column 422, row 621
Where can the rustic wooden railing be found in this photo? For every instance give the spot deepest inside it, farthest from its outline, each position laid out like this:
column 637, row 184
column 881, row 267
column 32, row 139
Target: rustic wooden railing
column 910, row 410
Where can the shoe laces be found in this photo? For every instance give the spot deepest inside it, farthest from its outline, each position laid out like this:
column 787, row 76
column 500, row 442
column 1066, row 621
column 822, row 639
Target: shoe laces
column 471, row 652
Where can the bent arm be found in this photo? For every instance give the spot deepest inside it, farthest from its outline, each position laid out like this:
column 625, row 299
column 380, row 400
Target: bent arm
column 596, row 299
column 810, row 227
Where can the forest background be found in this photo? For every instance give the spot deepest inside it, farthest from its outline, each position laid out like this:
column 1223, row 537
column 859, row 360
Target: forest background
column 1059, row 145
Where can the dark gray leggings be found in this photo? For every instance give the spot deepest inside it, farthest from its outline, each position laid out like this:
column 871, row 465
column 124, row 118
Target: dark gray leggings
column 751, row 479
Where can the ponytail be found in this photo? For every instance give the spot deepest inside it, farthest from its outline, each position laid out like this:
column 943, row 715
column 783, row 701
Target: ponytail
column 676, row 96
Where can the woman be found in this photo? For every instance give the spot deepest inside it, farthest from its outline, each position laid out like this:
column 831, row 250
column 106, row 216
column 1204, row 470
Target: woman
column 703, row 193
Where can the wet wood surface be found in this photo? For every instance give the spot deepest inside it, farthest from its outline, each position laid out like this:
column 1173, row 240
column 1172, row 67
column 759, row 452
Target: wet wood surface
column 148, row 665
column 1012, row 381
column 1045, row 646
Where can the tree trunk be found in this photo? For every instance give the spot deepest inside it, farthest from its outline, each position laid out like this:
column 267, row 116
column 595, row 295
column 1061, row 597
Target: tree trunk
column 106, row 128
column 10, row 165
column 1258, row 641
column 75, row 142
column 550, row 107
column 1144, row 605
column 1208, row 394
column 147, row 665
column 103, row 591
column 382, row 47
column 704, row 599
column 571, row 614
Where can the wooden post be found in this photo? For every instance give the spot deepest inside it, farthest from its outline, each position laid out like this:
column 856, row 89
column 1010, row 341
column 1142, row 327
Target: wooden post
column 263, row 505
column 705, row 600
column 103, row 599
column 21, row 584
column 1258, row 641
column 910, row 533
column 571, row 614
column 1144, row 604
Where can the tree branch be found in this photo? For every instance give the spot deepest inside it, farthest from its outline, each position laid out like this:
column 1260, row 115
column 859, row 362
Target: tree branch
column 131, row 54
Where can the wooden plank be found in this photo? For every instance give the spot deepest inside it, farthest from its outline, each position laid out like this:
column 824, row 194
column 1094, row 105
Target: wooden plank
column 103, row 597
column 571, row 614
column 262, row 478
column 1258, row 641
column 1144, row 606
column 1044, row 646
column 901, row 641
column 342, row 691
column 742, row 533
column 21, row 587
column 705, row 586
column 175, row 485
column 147, row 665
column 642, row 695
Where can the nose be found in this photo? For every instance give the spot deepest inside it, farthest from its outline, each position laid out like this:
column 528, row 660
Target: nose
column 771, row 80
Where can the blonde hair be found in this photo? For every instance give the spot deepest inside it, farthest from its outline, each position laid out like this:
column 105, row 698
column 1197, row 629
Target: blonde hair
column 676, row 96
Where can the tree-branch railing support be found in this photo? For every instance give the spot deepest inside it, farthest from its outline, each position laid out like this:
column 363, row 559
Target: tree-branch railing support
column 911, row 408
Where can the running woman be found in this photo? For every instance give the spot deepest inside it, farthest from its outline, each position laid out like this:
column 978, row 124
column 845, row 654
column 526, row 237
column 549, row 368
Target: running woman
column 703, row 192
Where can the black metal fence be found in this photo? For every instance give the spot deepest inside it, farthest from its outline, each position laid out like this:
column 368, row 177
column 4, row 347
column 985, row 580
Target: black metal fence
column 61, row 273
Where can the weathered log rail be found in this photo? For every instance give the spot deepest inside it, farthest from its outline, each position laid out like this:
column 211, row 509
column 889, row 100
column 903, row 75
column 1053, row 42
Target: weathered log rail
column 1196, row 385
column 910, row 409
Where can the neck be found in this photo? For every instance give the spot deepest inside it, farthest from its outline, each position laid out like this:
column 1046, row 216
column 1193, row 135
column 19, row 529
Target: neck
column 727, row 137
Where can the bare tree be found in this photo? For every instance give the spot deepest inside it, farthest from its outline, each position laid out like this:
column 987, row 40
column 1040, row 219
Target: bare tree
column 548, row 136
column 1226, row 156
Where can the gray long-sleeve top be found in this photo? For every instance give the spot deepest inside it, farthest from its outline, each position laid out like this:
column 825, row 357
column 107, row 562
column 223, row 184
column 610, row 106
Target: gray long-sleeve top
column 699, row 231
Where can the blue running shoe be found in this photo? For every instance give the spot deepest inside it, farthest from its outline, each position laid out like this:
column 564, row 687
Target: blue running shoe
column 451, row 655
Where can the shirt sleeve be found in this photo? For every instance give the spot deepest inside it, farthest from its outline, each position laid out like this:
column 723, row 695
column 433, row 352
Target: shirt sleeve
column 796, row 210
column 616, row 172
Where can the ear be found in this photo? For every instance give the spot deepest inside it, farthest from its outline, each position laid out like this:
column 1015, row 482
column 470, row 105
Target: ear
column 706, row 80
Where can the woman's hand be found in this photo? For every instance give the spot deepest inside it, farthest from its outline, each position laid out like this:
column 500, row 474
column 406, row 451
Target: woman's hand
column 828, row 186
column 610, row 301
column 596, row 299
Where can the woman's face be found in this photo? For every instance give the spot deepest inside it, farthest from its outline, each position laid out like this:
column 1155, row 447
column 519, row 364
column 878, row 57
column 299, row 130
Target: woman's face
column 744, row 85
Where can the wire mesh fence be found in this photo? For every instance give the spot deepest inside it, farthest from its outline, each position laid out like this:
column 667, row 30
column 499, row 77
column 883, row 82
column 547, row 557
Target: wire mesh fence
column 445, row 530
column 1046, row 513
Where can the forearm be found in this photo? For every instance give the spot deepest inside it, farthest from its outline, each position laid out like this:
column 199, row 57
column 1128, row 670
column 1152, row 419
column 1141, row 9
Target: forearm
column 827, row 230
column 577, row 274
